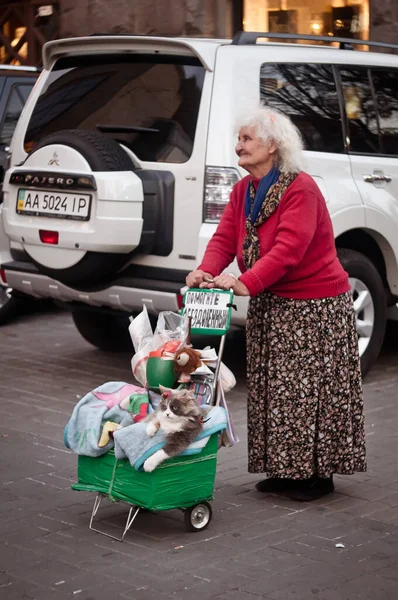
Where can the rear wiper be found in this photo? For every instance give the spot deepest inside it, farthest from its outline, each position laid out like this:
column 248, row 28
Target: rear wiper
column 126, row 129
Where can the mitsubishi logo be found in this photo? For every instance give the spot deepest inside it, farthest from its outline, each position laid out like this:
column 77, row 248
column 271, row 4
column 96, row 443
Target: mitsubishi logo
column 54, row 160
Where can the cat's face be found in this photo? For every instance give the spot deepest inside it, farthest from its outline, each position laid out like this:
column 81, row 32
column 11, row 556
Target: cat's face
column 177, row 404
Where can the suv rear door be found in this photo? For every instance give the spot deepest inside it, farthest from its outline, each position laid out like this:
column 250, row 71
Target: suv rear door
column 112, row 84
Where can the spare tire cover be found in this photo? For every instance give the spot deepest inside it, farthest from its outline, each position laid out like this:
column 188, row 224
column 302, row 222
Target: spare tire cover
column 102, row 154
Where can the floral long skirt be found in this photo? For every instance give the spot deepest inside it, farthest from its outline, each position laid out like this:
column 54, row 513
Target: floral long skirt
column 305, row 405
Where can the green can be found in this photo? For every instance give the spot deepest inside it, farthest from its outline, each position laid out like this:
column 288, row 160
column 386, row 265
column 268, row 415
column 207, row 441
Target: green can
column 160, row 371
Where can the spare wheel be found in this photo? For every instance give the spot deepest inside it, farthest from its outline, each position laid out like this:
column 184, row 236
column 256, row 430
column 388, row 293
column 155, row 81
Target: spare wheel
column 98, row 154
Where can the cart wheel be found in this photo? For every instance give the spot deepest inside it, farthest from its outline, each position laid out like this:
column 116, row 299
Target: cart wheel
column 198, row 517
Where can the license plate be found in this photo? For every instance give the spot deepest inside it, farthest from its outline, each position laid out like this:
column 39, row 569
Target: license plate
column 59, row 205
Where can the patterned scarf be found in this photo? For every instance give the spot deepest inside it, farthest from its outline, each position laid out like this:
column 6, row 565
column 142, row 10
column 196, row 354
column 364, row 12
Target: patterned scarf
column 251, row 243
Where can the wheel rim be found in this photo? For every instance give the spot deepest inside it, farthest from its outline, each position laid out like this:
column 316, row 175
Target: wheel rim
column 5, row 296
column 200, row 516
column 364, row 312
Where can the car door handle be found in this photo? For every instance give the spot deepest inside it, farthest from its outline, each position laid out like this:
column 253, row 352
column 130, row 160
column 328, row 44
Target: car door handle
column 376, row 177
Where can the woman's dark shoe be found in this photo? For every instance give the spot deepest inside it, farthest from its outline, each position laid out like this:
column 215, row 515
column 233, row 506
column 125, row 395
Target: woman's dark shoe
column 276, row 485
column 311, row 489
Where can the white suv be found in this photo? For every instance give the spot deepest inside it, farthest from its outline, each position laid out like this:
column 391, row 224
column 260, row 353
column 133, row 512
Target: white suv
column 123, row 161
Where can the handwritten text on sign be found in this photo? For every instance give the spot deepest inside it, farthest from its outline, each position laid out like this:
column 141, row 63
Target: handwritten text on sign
column 208, row 310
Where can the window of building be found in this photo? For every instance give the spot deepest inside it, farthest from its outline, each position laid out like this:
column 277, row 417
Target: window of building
column 307, row 94
column 343, row 18
column 371, row 105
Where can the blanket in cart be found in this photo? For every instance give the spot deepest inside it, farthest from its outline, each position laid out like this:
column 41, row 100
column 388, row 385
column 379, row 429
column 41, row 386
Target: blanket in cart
column 109, row 402
column 133, row 443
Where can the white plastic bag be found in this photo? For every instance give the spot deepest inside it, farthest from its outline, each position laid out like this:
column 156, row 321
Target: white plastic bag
column 227, row 378
column 171, row 327
column 170, row 334
column 141, row 334
column 140, row 330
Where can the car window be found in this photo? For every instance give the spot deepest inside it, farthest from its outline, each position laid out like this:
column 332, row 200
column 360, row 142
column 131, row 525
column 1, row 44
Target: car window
column 307, row 94
column 385, row 83
column 362, row 120
column 126, row 93
column 15, row 104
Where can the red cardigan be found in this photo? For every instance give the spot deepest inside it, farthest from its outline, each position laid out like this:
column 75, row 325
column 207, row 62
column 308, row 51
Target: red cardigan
column 297, row 250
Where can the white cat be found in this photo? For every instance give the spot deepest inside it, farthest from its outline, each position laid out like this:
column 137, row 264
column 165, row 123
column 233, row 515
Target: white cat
column 180, row 417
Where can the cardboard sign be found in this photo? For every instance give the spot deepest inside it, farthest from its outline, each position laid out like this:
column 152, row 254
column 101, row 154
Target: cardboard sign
column 210, row 310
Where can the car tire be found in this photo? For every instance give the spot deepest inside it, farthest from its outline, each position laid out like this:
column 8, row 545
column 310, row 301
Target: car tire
column 369, row 303
column 102, row 154
column 105, row 331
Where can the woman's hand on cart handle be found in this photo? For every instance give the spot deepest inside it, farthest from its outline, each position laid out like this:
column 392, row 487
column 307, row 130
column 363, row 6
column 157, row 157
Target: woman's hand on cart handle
column 195, row 278
column 227, row 281
column 240, row 289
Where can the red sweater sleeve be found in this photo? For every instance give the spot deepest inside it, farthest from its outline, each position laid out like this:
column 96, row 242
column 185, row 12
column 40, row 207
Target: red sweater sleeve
column 221, row 249
column 300, row 214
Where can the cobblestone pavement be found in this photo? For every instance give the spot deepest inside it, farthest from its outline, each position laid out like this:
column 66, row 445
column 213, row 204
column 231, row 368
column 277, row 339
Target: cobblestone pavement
column 343, row 547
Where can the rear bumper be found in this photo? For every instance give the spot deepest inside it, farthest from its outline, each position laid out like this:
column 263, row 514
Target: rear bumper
column 129, row 294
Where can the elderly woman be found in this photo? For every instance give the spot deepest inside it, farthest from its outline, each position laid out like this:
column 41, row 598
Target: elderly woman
column 305, row 406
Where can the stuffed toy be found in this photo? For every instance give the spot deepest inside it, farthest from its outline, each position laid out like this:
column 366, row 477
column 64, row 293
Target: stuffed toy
column 186, row 360
column 138, row 407
column 107, row 433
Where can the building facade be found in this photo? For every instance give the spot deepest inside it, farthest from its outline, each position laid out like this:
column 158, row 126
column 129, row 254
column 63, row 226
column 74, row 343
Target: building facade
column 26, row 24
column 315, row 17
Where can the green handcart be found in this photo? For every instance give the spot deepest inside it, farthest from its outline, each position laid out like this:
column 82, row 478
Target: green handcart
column 185, row 482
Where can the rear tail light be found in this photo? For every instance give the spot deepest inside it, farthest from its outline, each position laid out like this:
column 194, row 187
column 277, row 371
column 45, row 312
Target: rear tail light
column 49, row 237
column 219, row 182
column 3, row 279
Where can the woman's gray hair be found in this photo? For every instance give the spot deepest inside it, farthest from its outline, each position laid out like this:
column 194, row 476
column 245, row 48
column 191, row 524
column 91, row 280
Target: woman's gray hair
column 272, row 125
